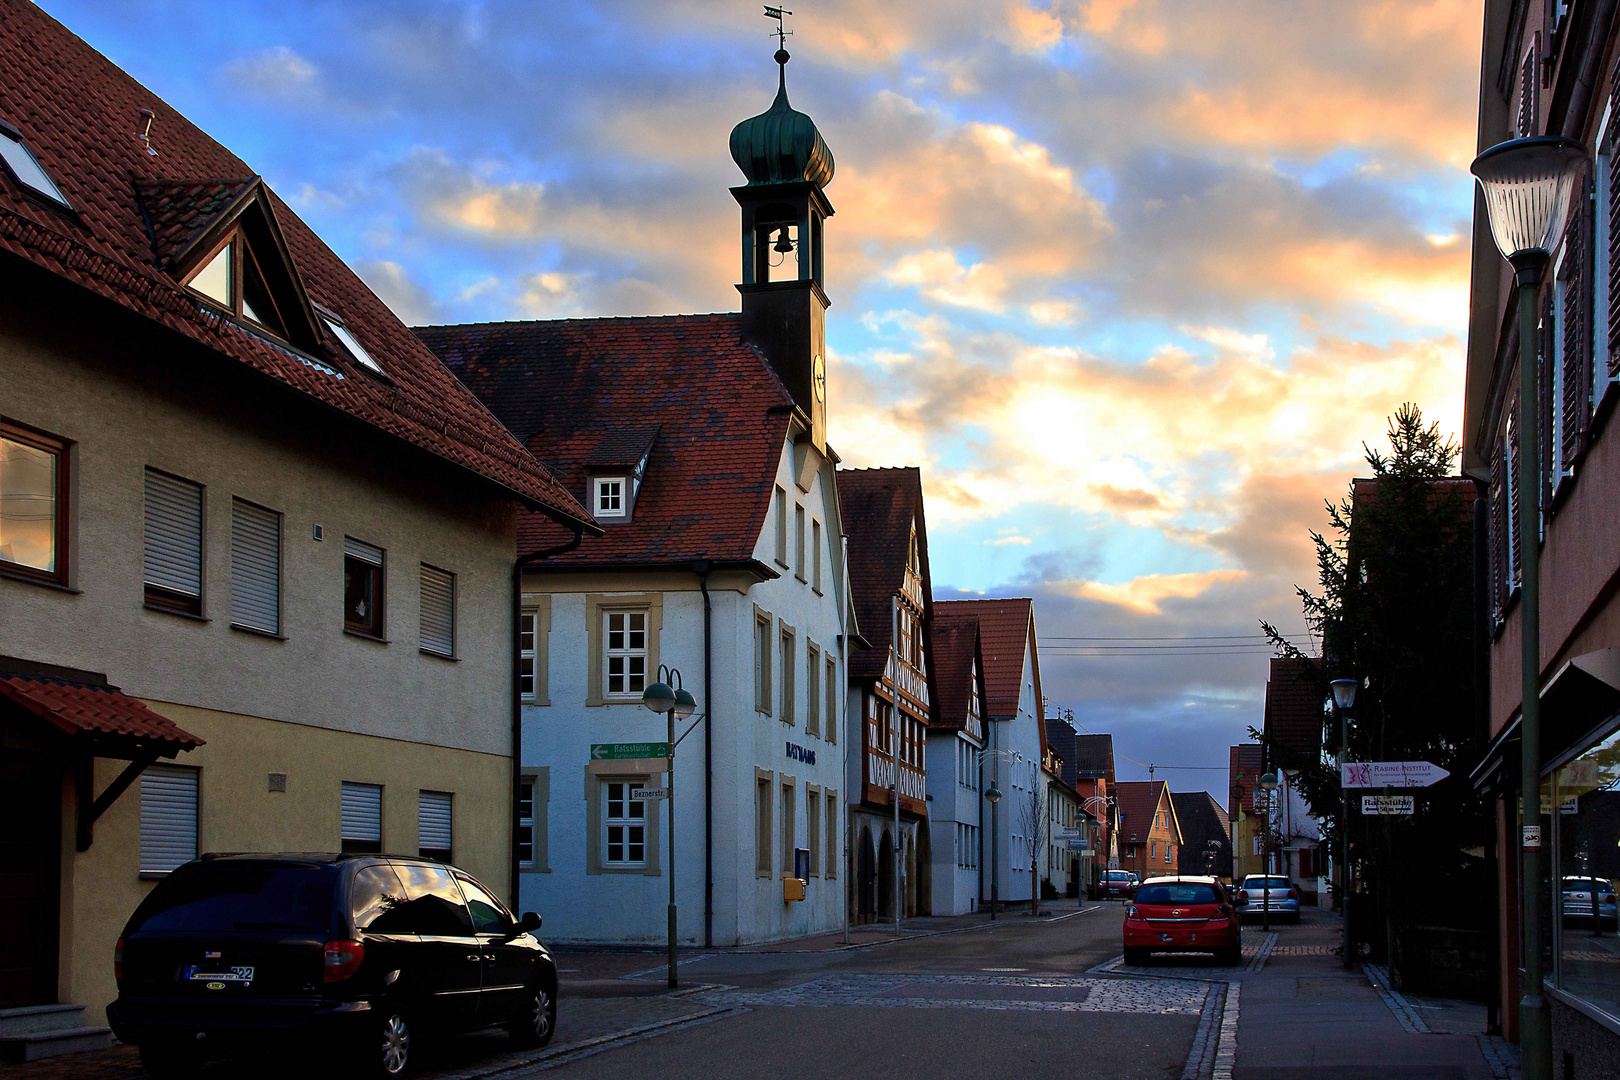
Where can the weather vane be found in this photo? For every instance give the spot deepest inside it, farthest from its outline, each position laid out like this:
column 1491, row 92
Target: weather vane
column 781, row 30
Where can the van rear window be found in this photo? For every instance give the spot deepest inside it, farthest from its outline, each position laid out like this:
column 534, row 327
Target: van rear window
column 221, row 897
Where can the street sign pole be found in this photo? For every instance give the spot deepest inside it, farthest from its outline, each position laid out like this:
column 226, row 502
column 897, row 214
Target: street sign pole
column 670, row 818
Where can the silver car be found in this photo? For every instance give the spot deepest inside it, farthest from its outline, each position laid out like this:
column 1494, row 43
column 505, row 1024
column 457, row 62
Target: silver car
column 1579, row 893
column 1260, row 891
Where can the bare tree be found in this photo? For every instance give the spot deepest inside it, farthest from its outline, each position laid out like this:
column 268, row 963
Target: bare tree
column 1032, row 819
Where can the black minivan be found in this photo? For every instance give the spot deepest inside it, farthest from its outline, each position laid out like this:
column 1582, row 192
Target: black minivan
column 244, row 955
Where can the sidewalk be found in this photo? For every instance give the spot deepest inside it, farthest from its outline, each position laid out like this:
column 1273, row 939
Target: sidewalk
column 1303, row 1015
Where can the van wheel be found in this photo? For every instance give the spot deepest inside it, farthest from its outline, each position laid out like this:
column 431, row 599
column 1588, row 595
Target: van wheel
column 169, row 1061
column 535, row 1025
column 387, row 1056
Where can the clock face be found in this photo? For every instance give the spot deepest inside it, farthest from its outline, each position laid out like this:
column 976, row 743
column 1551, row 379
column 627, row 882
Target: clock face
column 818, row 375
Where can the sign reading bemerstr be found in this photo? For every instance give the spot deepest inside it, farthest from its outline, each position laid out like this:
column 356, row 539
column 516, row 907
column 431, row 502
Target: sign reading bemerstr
column 1387, row 804
column 648, row 794
column 624, row 751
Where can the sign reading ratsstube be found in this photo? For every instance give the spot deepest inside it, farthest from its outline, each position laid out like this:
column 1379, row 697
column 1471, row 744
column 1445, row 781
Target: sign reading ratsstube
column 624, row 751
column 1386, row 774
column 1387, row 804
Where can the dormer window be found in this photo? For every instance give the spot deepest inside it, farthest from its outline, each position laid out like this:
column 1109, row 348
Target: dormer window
column 26, row 169
column 230, row 278
column 609, row 496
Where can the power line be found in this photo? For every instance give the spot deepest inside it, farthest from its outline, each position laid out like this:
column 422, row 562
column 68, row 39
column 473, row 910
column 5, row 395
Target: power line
column 1183, row 637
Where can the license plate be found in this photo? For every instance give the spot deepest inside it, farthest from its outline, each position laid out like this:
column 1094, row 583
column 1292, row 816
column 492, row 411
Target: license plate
column 239, row 975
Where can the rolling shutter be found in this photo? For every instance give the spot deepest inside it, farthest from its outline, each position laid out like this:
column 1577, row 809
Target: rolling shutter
column 168, row 818
column 359, row 549
column 362, row 812
column 173, row 533
column 433, row 831
column 255, row 567
column 438, row 611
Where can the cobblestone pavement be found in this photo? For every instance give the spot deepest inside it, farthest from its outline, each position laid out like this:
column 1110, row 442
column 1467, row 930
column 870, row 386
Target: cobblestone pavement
column 1196, row 965
column 1038, row 994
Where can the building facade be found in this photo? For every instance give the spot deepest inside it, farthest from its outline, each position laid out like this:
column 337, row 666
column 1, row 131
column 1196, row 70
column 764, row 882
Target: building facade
column 1245, row 809
column 1061, row 876
column 255, row 541
column 1206, row 834
column 1294, row 737
column 955, row 777
column 1150, row 835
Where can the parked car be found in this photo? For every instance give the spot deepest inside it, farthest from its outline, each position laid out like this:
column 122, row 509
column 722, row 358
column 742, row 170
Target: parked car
column 1275, row 891
column 246, row 955
column 1578, row 895
column 1182, row 914
column 1118, row 884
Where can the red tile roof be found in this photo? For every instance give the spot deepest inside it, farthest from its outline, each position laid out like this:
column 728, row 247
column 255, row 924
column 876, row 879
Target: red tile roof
column 1294, row 703
column 1138, row 801
column 706, row 403
column 1243, row 772
column 879, row 506
column 75, row 708
column 1006, row 629
column 76, row 112
column 956, row 643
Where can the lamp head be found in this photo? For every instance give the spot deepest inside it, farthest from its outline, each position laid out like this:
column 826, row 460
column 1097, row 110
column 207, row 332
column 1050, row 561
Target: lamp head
column 993, row 794
column 1528, row 185
column 1344, row 692
column 685, row 704
column 1268, row 781
column 658, row 697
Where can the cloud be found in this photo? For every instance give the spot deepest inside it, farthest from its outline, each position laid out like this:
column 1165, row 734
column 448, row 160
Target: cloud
column 1145, row 594
column 413, row 304
column 277, row 73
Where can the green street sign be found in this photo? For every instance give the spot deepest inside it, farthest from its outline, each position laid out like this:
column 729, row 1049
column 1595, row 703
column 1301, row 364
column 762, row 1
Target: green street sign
column 620, row 751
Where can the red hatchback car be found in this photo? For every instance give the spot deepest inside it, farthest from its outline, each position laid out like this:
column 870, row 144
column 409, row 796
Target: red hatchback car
column 1183, row 914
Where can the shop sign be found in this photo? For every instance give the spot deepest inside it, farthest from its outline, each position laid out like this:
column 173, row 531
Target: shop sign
column 796, row 752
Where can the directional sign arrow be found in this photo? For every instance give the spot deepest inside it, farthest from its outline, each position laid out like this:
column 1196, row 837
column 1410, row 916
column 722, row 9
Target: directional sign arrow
column 1390, row 774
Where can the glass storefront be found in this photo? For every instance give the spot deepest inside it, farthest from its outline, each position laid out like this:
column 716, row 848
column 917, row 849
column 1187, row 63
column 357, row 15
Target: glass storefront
column 1585, row 814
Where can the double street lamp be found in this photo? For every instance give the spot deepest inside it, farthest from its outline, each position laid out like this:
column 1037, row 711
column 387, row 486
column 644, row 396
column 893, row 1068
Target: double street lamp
column 674, row 702
column 1528, row 186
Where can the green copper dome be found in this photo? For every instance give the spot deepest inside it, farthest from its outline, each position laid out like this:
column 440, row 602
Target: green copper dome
column 781, row 145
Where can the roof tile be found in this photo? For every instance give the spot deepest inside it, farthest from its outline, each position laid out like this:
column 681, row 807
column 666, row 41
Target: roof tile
column 75, row 708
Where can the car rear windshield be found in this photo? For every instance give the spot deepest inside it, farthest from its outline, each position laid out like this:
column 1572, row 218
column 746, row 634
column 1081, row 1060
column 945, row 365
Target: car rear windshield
column 1189, row 892
column 1118, row 877
column 222, row 897
column 1265, row 883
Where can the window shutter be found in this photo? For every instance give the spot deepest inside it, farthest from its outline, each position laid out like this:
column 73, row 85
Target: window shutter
column 1525, row 120
column 1499, row 529
column 433, row 830
column 173, row 533
column 1546, row 432
column 1577, row 402
column 255, row 567
column 168, row 818
column 1513, row 498
column 362, row 812
column 359, row 549
column 438, row 611
column 1612, row 315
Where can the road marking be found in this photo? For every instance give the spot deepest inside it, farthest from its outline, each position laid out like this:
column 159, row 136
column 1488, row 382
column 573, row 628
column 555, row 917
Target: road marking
column 1004, row 969
column 664, row 968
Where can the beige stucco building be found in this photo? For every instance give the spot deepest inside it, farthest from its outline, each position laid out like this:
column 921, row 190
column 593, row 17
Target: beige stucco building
column 256, row 543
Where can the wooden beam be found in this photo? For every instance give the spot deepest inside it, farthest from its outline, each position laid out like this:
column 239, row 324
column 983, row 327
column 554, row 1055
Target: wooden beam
column 90, row 810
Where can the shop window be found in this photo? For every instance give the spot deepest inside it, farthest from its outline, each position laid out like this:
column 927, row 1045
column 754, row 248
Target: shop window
column 1585, row 804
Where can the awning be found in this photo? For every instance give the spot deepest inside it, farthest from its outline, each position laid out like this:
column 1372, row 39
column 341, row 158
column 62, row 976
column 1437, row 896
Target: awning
column 1582, row 694
column 112, row 723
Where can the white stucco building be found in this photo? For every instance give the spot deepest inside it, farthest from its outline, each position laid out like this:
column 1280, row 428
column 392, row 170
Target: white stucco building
column 956, row 803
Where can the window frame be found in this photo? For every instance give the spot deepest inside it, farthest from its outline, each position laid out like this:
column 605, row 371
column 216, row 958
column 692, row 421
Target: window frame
column 812, row 689
column 448, row 856
column 764, row 823
column 61, row 450
column 172, row 770
column 812, row 828
column 625, row 653
column 788, row 813
column 833, row 831
column 815, row 556
column 829, row 729
column 55, row 198
column 235, row 239
column 780, row 505
column 526, row 821
column 788, row 643
column 157, row 597
column 798, row 542
column 599, row 492
column 357, row 352
column 361, row 845
column 628, row 821
column 238, row 623
column 764, row 650
column 377, row 628
column 423, row 573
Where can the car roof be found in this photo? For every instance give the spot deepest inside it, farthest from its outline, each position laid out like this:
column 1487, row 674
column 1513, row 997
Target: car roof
column 1199, row 878
column 314, row 858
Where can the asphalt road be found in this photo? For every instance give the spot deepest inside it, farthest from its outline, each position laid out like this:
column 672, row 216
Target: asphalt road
column 1008, row 999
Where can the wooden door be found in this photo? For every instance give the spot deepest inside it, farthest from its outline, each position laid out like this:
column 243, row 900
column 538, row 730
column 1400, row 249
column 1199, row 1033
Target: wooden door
column 30, row 876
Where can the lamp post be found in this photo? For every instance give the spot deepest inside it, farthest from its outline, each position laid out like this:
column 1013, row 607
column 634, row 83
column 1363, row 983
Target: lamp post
column 1107, row 803
column 1528, row 184
column 1344, row 696
column 1268, row 784
column 672, row 701
column 992, row 795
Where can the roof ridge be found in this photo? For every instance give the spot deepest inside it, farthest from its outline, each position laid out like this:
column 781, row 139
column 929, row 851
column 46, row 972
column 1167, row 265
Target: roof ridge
column 580, row 319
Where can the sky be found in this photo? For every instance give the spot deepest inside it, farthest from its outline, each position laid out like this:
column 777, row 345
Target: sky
column 1131, row 280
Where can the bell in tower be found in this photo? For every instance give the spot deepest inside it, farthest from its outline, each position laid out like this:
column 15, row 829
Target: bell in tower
column 784, row 305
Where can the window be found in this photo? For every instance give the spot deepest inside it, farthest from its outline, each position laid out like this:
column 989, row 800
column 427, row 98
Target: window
column 624, row 825
column 762, row 826
column 525, row 816
column 832, row 700
column 787, row 829
column 350, row 345
column 173, row 543
column 168, row 818
column 33, row 504
column 489, row 915
column 232, row 278
column 787, row 677
column 833, row 833
column 1153, row 851
column 1585, row 837
column 362, row 818
column 438, row 615
column 812, row 828
column 25, row 168
column 812, row 690
column 798, row 541
column 433, row 902
column 528, row 632
column 781, row 527
column 433, row 831
column 609, row 496
column 362, row 588
column 255, row 567
column 815, row 555
column 624, row 669
column 762, row 662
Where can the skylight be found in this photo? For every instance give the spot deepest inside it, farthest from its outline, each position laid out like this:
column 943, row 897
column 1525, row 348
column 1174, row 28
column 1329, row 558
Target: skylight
column 353, row 347
column 20, row 160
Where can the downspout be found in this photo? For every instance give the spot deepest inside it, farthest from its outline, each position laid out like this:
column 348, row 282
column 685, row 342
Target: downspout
column 1482, row 721
column 517, row 692
column 701, row 569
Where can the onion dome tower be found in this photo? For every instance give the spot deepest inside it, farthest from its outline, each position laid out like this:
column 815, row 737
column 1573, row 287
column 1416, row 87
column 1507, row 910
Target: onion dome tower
column 784, row 305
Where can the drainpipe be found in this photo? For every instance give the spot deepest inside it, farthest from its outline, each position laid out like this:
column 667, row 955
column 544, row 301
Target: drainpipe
column 701, row 569
column 1482, row 731
column 517, row 691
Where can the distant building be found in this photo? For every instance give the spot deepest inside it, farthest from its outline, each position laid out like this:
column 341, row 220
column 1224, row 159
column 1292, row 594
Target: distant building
column 955, row 767
column 1245, row 808
column 1150, row 835
column 1295, row 703
column 1084, row 757
column 1061, row 874
column 1206, row 834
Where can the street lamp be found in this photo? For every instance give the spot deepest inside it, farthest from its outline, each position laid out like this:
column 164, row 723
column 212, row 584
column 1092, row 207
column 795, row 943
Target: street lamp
column 992, row 795
column 673, row 701
column 1528, row 185
column 1268, row 784
column 1344, row 696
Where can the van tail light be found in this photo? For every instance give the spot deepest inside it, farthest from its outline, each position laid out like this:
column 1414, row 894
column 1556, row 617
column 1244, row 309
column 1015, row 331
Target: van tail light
column 118, row 960
column 1293, row 894
column 343, row 959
